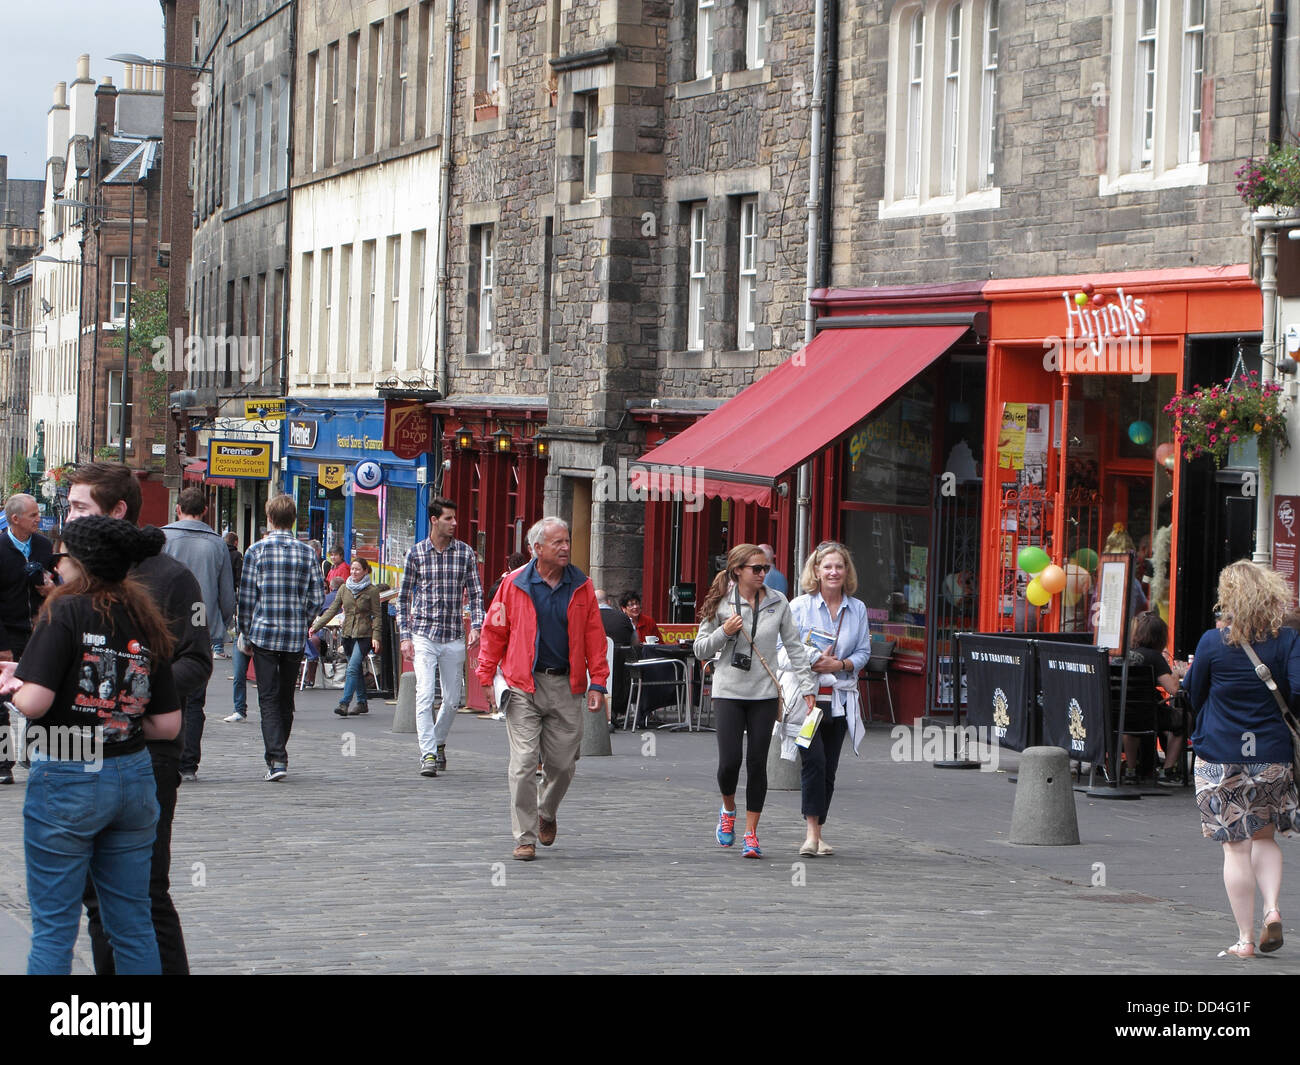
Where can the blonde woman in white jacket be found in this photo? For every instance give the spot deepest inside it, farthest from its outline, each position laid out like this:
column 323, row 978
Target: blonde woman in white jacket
column 742, row 621
column 834, row 633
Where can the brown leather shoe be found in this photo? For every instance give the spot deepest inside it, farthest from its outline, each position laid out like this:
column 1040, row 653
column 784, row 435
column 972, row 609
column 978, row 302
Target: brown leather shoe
column 545, row 831
column 525, row 852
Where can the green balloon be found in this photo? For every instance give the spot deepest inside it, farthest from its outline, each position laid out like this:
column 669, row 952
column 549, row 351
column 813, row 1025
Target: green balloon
column 1033, row 559
column 1085, row 558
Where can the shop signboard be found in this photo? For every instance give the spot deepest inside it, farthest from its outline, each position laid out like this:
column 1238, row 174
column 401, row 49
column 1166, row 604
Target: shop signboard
column 265, row 410
column 1286, row 532
column 240, row 459
column 408, row 428
column 331, row 474
column 997, row 686
column 1075, row 681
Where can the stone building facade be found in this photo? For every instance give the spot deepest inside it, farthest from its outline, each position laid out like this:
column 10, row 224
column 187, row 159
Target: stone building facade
column 20, row 204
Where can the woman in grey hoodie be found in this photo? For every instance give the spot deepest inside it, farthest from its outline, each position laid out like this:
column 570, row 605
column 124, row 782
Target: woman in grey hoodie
column 742, row 620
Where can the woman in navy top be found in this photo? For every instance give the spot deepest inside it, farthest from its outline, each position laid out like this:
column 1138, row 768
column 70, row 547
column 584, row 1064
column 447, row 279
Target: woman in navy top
column 1245, row 788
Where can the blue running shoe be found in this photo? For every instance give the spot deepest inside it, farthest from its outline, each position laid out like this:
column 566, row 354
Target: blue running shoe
column 752, row 849
column 726, row 828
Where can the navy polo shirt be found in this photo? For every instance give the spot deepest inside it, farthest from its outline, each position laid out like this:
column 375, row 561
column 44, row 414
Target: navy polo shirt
column 552, row 606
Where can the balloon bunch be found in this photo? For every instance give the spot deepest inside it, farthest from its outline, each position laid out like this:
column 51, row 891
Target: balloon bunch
column 1048, row 579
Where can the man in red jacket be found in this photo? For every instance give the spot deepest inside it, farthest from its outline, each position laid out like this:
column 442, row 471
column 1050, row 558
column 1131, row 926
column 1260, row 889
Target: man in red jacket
column 543, row 629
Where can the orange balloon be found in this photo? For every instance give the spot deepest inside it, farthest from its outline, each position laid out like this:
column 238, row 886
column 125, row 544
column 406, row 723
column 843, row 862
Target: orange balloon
column 1052, row 579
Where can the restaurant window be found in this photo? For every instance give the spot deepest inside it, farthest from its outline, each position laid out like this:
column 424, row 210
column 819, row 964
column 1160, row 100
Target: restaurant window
column 888, row 477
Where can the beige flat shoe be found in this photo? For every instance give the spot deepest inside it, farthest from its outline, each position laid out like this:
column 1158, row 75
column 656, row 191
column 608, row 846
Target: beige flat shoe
column 809, row 849
column 824, row 849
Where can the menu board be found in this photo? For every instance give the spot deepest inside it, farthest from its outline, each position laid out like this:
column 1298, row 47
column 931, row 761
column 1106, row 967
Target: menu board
column 1286, row 540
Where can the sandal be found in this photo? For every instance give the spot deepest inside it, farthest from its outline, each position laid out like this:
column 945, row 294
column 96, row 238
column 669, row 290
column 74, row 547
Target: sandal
column 1271, row 938
column 1243, row 948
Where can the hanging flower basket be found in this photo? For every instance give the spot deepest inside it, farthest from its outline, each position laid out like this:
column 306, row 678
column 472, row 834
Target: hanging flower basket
column 1272, row 180
column 1210, row 421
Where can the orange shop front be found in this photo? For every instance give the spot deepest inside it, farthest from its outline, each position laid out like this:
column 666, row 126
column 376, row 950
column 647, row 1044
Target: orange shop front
column 1081, row 453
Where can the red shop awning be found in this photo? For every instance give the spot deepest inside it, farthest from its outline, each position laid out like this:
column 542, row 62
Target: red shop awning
column 742, row 449
column 198, row 471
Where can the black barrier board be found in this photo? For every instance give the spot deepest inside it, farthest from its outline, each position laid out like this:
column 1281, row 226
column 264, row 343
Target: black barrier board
column 997, row 687
column 1075, row 681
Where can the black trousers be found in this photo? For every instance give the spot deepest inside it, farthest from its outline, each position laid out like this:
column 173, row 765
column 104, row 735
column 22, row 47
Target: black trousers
column 166, row 921
column 277, row 680
column 735, row 717
column 821, row 759
column 192, row 729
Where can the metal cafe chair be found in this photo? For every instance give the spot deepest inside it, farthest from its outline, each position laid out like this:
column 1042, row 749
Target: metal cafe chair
column 877, row 670
column 645, row 691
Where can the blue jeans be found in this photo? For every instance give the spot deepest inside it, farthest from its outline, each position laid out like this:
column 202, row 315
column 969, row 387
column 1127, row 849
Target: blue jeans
column 240, row 661
column 105, row 821
column 354, row 684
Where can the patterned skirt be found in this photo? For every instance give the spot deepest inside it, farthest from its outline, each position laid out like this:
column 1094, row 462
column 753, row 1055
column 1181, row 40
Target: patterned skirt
column 1237, row 799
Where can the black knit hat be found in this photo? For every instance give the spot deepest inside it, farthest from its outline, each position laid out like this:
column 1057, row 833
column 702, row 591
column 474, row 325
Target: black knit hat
column 108, row 547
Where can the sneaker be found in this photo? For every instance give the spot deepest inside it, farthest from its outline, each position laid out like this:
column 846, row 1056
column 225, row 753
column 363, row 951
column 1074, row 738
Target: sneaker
column 429, row 765
column 6, row 776
column 442, row 758
column 277, row 772
column 342, row 710
column 752, row 849
column 726, row 828
column 362, row 708
column 236, row 716
column 189, row 776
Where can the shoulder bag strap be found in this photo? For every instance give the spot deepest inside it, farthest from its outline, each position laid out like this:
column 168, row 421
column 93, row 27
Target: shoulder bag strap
column 1265, row 674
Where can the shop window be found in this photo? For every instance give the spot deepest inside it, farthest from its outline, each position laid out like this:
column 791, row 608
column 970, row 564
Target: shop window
column 888, row 456
column 366, row 539
column 399, row 531
column 941, row 112
column 1155, row 105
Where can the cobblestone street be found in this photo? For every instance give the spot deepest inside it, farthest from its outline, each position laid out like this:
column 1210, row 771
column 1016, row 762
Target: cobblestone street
column 356, row 864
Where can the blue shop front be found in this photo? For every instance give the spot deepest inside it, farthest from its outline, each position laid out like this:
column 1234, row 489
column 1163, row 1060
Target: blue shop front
column 349, row 490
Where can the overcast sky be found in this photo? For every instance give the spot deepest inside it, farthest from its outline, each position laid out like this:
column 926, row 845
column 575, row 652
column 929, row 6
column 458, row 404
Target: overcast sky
column 39, row 47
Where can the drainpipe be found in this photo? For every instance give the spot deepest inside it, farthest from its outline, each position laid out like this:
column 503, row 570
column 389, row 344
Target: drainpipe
column 828, row 154
column 803, row 491
column 1263, row 553
column 283, row 388
column 442, row 368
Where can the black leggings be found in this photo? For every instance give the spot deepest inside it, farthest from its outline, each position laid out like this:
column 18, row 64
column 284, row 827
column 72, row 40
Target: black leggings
column 735, row 717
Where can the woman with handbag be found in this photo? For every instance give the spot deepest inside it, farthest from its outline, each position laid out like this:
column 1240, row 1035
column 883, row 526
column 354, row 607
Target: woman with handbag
column 1245, row 785
column 363, row 627
column 741, row 621
column 834, row 635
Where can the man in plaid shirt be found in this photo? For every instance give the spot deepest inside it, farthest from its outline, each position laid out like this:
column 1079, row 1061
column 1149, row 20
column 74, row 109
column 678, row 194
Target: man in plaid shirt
column 440, row 572
column 280, row 592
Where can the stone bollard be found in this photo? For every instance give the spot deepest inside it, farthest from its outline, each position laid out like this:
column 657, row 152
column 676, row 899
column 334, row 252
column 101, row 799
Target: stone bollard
column 782, row 775
column 595, row 733
column 404, row 715
column 1044, row 813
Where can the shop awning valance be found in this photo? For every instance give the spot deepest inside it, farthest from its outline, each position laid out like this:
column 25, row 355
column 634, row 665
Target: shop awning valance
column 198, row 471
column 741, row 450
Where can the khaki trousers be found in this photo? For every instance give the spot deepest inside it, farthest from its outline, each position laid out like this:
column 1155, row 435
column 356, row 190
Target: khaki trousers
column 546, row 727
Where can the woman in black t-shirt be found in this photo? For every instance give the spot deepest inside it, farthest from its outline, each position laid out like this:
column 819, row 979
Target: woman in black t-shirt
column 96, row 682
column 1148, row 636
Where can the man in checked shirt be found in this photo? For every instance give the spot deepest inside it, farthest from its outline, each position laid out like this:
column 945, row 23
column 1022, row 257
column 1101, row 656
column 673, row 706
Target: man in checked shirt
column 280, row 591
column 440, row 573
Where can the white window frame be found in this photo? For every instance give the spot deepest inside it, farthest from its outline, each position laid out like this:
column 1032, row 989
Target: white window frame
column 1189, row 150
column 1165, row 93
column 486, row 288
column 988, row 93
column 756, row 34
column 117, row 410
column 697, row 250
column 952, row 86
column 590, row 142
column 704, row 38
column 941, row 109
column 494, row 32
column 393, row 318
column 747, row 289
column 119, row 301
